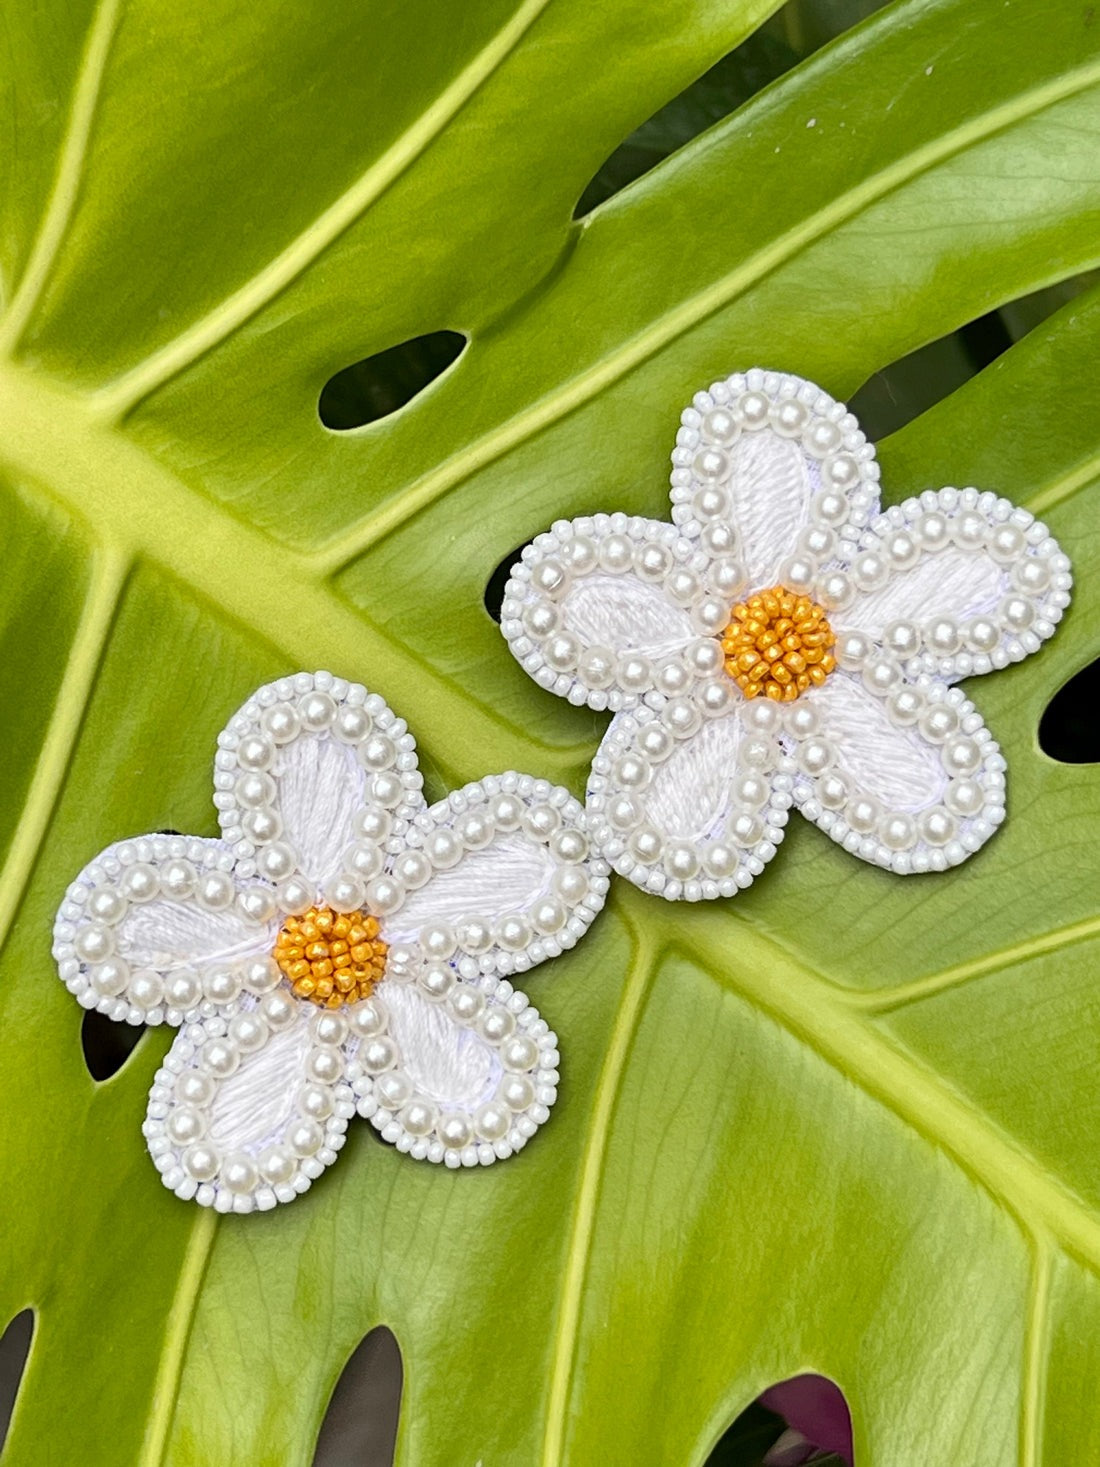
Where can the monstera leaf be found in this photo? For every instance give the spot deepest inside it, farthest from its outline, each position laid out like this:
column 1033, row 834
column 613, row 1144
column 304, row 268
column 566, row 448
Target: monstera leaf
column 844, row 1123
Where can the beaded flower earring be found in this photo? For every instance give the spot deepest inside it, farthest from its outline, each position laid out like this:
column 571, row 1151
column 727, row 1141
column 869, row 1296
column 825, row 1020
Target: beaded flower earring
column 342, row 947
column 784, row 642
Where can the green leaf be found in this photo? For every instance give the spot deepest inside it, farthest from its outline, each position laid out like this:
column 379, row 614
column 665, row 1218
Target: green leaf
column 844, row 1123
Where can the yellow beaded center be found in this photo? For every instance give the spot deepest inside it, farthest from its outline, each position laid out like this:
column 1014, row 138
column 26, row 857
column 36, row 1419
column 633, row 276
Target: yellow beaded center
column 331, row 958
column 777, row 643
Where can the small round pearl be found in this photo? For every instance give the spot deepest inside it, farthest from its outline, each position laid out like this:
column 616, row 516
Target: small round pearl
column 438, row 941
column 314, row 1101
column 378, row 753
column 1006, row 543
column 634, row 674
column 719, row 539
column 753, row 409
column 968, row 531
column 201, row 1162
column 705, row 657
column 902, row 638
column 898, row 833
column 819, row 542
column 140, row 883
column 257, row 903
column 506, row 812
column 653, row 562
column 466, row 1003
column 789, row 417
column 444, row 849
column 109, row 979
column 513, row 933
column 681, row 860
column 646, row 845
column 815, row 755
column 751, row 789
column 961, row 755
column 255, row 752
column 497, row 1024
column 932, row 530
column 373, row 823
column 571, row 884
column 580, row 553
column 412, row 868
column 863, row 813
column 519, row 1053
column 248, row 1032
column 720, row 426
column 221, row 984
column 376, row 1056
column 596, row 667
column 387, row 789
column 492, row 1121
column 942, row 636
column 901, row 550
column 726, row 577
column 475, row 831
column 278, row 1010
column 195, row 1088
column 216, row 890
column 316, row 710
column 541, row 821
column 351, row 725
column 682, row 717
column 852, row 650
column 220, row 1058
column 682, row 586
column 822, row 437
column 1031, row 574
column 616, row 554
column 277, row 1164
column 305, row 1138
column 562, row 652
column 393, row 1089
column 177, row 878
column 964, row 797
column 330, row 1027
column 569, row 844
column 94, row 943
column 346, row 893
column 540, row 619
column 384, row 895
column 455, row 1132
column 841, row 470
column 720, row 860
column 937, row 826
column 832, row 790
column 758, row 752
column 550, row 577
column 763, row 716
column 623, row 812
column 632, row 772
column 183, row 989
column 983, row 634
column 655, row 742
column 419, row 1118
column 367, row 1018
column 745, row 830
column 281, row 723
column 830, row 508
column 870, row 570
column 261, row 975
column 474, row 935
column 517, row 1092
column 835, row 591
column 904, row 706
column 881, row 675
column 186, row 1125
column 801, row 718
column 107, row 905
column 1017, row 613
column 548, row 916
column 938, row 722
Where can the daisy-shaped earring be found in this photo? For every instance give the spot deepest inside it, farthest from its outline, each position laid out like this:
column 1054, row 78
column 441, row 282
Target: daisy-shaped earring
column 785, row 642
column 343, row 947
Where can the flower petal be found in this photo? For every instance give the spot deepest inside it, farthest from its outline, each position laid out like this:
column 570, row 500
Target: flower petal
column 458, row 1073
column 598, row 609
column 912, row 782
column 688, row 805
column 148, row 920
column 775, row 459
column 957, row 582
column 299, row 769
column 503, row 866
column 248, row 1112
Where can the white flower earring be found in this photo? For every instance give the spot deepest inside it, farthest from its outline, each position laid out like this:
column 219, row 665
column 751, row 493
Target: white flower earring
column 784, row 642
column 342, row 947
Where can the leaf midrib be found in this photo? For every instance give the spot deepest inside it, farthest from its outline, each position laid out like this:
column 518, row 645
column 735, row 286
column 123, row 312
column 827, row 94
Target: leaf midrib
column 338, row 552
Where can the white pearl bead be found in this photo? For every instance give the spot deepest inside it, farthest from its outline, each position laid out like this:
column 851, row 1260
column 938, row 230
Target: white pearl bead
column 506, row 811
column 475, row 831
column 830, row 508
column 373, row 823
column 682, row 586
column 763, row 716
column 745, row 830
column 596, row 667
column 789, row 417
column 257, row 903
column 720, row 860
column 220, row 1058
column 497, row 1024
column 466, row 1003
column 107, row 905
column 898, row 832
column 682, row 717
column 378, row 753
column 1017, row 613
column 182, row 989
column 255, row 752
column 439, row 941
column 278, row 1010
column 832, row 790
column 653, row 562
column 314, row 1101
column 195, row 1088
column 726, row 577
column 185, row 1125
column 305, row 1137
column 835, row 591
column 201, row 1162
column 798, row 573
column 681, row 860
column 759, row 752
column 346, row 894
column 932, row 530
column 474, row 935
column 367, row 1018
column 280, row 722
column 1006, row 543
column 316, row 710
column 517, row 1092
column 983, row 634
column 647, row 845
column 571, row 884
column 715, row 697
column 513, row 933
column 216, row 890
column 902, row 638
column 492, row 1121
column 815, row 755
column 632, row 772
column 221, row 984
column 261, row 975
column 94, row 942
column 277, row 1164
column 673, row 678
column 412, row 868
column 901, row 550
column 753, row 409
column 569, row 844
column 801, row 718
column 445, row 849
column 1031, row 574
column 330, row 1027
column 852, row 650
column 711, row 503
column 655, row 742
column 550, row 576
column 720, row 426
column 541, row 821
column 375, row 1055
column 178, row 877
column 419, row 1118
column 881, row 675
column 580, row 553
column 616, row 554
column 937, row 826
column 384, row 895
column 394, row 1089
column 819, row 542
column 110, row 978
column 822, row 437
column 540, row 619
column 351, row 725
column 751, row 790
column 519, row 1053
column 140, row 883
column 634, row 674
column 710, row 617
column 938, row 721
column 248, row 1032
column 964, row 797
column 968, row 530
column 719, row 539
column 387, row 789
column 562, row 652
column 870, row 570
column 863, row 813
column 942, row 636
column 961, row 755
column 904, row 706
column 455, row 1131
column 841, row 470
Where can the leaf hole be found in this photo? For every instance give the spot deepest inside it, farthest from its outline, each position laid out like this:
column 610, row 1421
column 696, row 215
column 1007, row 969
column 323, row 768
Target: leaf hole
column 379, row 385
column 746, row 70
column 107, row 1045
column 494, row 587
column 360, row 1424
column 819, row 1424
column 1068, row 729
column 15, row 1346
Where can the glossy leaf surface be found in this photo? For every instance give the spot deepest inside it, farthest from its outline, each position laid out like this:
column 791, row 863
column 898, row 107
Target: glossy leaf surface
column 845, row 1123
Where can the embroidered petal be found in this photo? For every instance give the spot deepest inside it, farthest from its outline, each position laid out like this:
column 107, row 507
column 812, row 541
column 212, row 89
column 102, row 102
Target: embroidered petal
column 502, row 868
column 688, row 805
column 911, row 780
column 770, row 472
column 455, row 1072
column 602, row 610
column 247, row 1113
column 957, row 582
column 153, row 928
column 308, row 765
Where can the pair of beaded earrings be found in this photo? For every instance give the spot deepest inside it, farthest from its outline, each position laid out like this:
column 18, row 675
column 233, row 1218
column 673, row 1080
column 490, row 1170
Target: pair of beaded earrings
column 346, row 948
